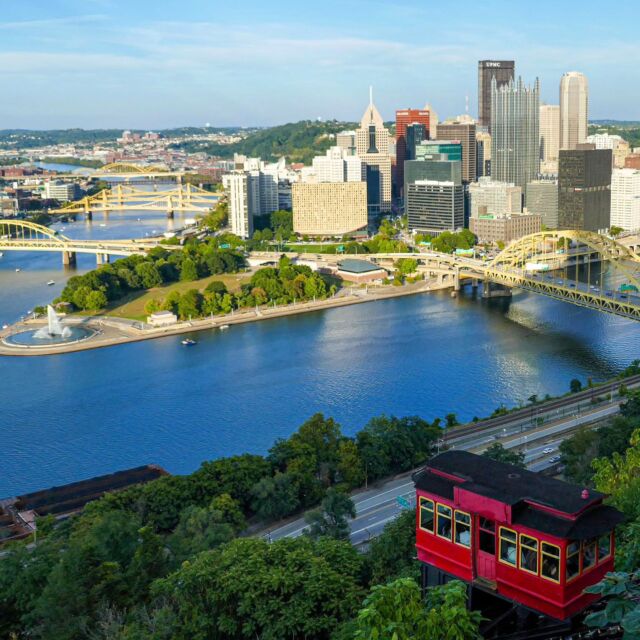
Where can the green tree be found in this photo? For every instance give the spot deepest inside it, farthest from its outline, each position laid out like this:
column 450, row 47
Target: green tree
column 350, row 469
column 393, row 553
column 396, row 611
column 575, row 385
column 451, row 420
column 149, row 274
column 497, row 452
column 189, row 270
column 622, row 594
column 406, row 266
column 200, row 529
column 614, row 231
column 251, row 589
column 190, row 304
column 619, row 477
column 331, row 519
column 577, row 453
column 275, row 497
column 171, row 302
column 216, row 286
column 95, row 300
column 152, row 306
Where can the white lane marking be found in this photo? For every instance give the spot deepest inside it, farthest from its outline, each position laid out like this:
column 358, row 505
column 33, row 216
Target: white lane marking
column 393, row 517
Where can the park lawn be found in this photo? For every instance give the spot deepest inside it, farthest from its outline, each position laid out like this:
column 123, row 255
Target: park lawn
column 132, row 305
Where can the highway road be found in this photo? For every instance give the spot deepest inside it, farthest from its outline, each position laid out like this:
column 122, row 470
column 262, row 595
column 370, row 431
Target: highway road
column 377, row 506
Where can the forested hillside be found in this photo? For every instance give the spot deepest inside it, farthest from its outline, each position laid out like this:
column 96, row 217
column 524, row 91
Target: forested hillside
column 297, row 141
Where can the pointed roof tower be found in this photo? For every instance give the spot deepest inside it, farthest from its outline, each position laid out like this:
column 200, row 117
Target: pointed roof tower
column 371, row 115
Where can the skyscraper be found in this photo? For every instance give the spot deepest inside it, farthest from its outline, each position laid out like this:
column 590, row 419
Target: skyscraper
column 503, row 71
column 466, row 133
column 372, row 146
column 584, row 188
column 549, row 137
column 416, row 134
column 483, row 154
column 404, row 118
column 574, row 109
column 625, row 199
column 515, row 137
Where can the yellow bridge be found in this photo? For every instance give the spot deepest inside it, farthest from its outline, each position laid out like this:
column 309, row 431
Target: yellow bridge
column 569, row 256
column 183, row 198
column 19, row 235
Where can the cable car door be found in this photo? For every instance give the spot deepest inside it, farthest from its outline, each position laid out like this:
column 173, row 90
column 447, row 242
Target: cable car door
column 486, row 548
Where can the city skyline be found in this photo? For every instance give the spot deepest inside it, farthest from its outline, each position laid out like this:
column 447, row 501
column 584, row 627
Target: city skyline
column 108, row 64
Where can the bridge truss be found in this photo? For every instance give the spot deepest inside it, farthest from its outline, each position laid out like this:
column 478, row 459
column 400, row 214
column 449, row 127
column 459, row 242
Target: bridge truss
column 182, row 198
column 570, row 254
column 20, row 235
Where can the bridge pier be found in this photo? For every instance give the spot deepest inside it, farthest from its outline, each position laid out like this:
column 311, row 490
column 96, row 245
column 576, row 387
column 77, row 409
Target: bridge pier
column 89, row 215
column 102, row 258
column 170, row 214
column 68, row 258
column 494, row 290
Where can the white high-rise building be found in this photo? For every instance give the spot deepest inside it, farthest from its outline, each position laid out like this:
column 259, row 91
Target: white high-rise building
column 236, row 186
column 251, row 193
column 549, row 135
column 574, row 109
column 604, row 140
column 337, row 166
column 625, row 199
column 494, row 198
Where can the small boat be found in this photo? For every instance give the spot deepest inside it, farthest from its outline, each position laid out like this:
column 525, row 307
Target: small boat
column 188, row 342
column 1, row 254
column 102, row 224
column 50, row 282
column 5, row 326
column 18, row 269
column 223, row 327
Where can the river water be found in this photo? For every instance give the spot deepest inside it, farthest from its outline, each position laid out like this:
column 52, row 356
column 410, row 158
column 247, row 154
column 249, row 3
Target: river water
column 64, row 418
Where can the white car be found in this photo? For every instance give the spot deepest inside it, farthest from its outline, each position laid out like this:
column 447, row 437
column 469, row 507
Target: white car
column 554, row 459
column 548, row 450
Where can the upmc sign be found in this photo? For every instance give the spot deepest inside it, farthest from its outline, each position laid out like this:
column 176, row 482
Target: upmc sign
column 492, row 65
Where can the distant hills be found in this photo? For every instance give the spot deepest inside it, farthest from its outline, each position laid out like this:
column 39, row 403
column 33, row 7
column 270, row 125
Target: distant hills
column 297, row 141
column 623, row 124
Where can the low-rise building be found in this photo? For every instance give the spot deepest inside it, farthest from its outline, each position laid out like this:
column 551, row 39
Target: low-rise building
column 62, row 191
column 490, row 197
column 353, row 270
column 329, row 208
column 505, row 229
column 162, row 318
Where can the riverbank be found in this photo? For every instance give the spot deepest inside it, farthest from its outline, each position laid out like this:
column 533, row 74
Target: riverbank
column 115, row 331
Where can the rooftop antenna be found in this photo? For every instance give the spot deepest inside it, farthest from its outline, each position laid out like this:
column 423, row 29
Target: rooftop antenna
column 466, row 104
column 370, row 95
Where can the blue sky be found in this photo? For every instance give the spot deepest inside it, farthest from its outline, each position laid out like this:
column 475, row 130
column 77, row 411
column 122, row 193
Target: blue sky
column 109, row 63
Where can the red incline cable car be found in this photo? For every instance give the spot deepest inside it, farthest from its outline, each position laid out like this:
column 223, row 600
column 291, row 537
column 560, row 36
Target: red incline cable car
column 519, row 535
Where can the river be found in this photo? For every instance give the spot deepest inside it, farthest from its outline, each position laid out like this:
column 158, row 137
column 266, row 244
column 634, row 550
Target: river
column 65, row 418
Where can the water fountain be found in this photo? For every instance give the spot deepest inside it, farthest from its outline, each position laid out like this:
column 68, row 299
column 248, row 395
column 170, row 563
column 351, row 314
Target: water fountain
column 51, row 334
column 53, row 327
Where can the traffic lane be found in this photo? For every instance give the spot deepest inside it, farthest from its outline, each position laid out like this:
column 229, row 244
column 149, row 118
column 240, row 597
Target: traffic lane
column 566, row 425
column 364, row 502
column 491, row 434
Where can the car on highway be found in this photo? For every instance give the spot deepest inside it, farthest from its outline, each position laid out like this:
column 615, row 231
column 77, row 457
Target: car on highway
column 554, row 459
column 548, row 450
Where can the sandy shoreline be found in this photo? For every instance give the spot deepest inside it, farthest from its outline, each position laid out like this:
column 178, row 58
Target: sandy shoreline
column 113, row 331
